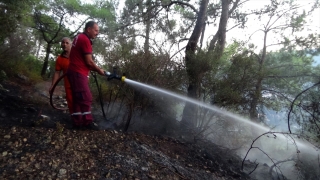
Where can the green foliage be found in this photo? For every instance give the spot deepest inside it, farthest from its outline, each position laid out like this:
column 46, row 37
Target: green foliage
column 30, row 67
column 237, row 81
column 104, row 87
column 288, row 71
column 284, row 74
column 306, row 113
column 51, row 26
column 230, row 51
column 12, row 14
column 73, row 6
column 32, row 64
column 51, row 19
column 104, row 12
column 219, row 65
column 151, row 69
column 297, row 21
column 208, row 63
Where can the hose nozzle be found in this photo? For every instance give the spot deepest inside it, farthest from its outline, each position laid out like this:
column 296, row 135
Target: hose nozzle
column 114, row 75
column 123, row 78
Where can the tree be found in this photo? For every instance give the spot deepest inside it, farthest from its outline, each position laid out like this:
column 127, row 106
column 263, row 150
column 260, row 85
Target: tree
column 56, row 19
column 278, row 11
column 51, row 24
column 15, row 41
column 193, row 71
column 217, row 45
column 13, row 13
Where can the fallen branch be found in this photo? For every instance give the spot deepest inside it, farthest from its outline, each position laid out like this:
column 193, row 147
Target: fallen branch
column 274, row 163
column 279, row 162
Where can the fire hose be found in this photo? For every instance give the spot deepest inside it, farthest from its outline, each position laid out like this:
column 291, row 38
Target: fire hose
column 52, row 90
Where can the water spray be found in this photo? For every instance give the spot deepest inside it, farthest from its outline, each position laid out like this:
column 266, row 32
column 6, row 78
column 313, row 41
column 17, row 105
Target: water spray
column 218, row 110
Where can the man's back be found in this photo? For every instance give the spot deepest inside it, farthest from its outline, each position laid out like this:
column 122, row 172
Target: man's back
column 81, row 46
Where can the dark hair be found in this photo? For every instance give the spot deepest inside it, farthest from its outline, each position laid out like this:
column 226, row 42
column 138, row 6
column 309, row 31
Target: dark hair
column 89, row 24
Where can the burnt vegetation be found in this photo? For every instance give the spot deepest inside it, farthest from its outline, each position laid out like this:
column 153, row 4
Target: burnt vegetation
column 246, row 110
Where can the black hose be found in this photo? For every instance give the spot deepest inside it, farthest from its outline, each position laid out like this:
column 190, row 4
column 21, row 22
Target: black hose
column 100, row 94
column 52, row 90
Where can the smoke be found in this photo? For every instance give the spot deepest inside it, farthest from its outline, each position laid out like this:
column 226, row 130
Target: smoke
column 282, row 155
column 277, row 154
column 106, row 125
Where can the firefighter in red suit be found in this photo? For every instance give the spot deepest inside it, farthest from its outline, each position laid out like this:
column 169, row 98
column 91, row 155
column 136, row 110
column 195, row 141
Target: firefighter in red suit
column 81, row 63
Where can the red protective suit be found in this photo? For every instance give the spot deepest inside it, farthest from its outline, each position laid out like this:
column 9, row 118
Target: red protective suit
column 62, row 63
column 78, row 77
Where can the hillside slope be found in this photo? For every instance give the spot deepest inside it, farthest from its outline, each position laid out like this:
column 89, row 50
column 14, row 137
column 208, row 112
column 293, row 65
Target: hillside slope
column 37, row 142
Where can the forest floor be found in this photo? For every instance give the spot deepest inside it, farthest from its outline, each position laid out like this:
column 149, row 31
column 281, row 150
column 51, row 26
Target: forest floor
column 38, row 142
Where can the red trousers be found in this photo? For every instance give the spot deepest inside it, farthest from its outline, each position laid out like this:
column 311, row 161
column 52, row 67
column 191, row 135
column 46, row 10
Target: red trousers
column 69, row 98
column 81, row 98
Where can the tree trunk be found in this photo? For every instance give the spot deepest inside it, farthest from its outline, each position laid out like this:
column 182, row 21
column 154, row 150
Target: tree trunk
column 147, row 23
column 190, row 112
column 256, row 96
column 129, row 117
column 46, row 60
column 38, row 49
column 146, row 42
column 258, row 87
column 218, row 41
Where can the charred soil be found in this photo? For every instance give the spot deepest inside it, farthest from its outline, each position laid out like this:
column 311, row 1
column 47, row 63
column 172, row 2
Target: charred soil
column 37, row 142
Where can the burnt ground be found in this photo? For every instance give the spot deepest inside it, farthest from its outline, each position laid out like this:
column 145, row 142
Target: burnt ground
column 38, row 142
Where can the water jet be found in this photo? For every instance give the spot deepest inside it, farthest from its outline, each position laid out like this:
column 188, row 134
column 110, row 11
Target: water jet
column 303, row 146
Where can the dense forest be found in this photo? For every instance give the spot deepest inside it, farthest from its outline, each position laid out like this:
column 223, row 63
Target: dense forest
column 238, row 56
